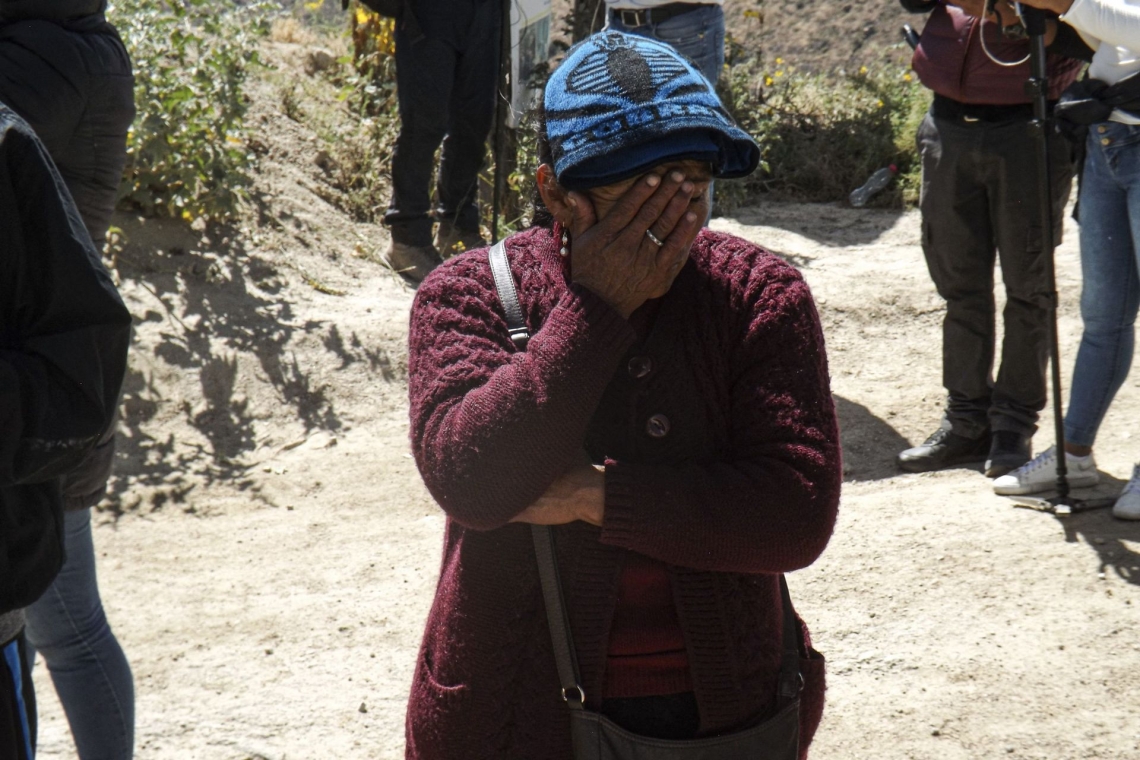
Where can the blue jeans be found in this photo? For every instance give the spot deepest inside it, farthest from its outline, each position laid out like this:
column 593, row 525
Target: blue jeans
column 87, row 666
column 697, row 35
column 1110, row 267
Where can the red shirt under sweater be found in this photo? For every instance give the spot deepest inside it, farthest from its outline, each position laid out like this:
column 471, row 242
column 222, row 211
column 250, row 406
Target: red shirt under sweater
column 646, row 655
column 722, row 464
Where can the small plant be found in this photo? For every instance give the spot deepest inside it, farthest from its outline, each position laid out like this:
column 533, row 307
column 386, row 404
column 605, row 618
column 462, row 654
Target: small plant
column 822, row 135
column 360, row 158
column 290, row 101
column 187, row 153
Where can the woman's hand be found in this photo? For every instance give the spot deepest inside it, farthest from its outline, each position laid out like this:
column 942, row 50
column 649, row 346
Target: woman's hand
column 578, row 494
column 616, row 259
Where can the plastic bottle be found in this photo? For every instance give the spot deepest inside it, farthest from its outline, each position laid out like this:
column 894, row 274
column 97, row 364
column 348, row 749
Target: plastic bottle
column 876, row 182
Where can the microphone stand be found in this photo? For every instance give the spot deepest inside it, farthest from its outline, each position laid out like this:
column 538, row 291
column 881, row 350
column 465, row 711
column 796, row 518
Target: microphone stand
column 1037, row 88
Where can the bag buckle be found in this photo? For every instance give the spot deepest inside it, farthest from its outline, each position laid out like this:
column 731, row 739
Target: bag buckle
column 633, row 18
column 579, row 698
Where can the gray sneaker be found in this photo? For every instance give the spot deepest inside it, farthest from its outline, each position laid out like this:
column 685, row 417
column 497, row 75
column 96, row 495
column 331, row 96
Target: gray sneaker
column 1040, row 475
column 450, row 240
column 413, row 262
column 1127, row 507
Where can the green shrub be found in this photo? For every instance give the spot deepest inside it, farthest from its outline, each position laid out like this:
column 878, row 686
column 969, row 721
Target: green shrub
column 822, row 135
column 187, row 153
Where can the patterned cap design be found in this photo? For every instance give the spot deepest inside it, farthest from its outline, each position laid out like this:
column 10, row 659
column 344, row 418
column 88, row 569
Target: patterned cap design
column 620, row 104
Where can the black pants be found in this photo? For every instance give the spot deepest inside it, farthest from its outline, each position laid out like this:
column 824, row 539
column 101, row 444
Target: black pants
column 17, row 703
column 980, row 198
column 446, row 94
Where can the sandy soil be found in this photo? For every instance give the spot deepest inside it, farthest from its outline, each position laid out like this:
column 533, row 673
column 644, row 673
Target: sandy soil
column 268, row 553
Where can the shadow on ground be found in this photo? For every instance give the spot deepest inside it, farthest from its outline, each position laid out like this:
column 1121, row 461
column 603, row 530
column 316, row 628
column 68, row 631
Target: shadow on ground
column 870, row 444
column 829, row 224
column 216, row 310
column 1116, row 542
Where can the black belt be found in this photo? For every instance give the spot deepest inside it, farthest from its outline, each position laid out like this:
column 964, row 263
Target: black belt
column 953, row 110
column 654, row 15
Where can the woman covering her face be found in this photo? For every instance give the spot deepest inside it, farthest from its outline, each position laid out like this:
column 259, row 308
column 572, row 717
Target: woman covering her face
column 670, row 418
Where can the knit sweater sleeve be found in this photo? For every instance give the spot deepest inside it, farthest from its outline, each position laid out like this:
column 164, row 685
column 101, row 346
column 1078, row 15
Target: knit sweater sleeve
column 769, row 504
column 492, row 428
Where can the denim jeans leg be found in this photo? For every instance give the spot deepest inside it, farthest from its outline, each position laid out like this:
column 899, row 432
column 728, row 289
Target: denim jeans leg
column 1110, row 262
column 698, row 35
column 87, row 666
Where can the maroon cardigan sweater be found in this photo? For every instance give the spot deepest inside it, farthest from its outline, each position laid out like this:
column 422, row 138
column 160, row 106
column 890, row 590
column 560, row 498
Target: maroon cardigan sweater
column 743, row 486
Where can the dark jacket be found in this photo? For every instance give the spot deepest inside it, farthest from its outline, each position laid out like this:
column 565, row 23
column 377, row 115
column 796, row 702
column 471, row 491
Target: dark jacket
column 64, row 70
column 743, row 485
column 56, row 10
column 64, row 334
column 950, row 60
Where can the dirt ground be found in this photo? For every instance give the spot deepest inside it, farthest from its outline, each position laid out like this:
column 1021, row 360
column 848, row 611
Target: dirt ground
column 268, row 553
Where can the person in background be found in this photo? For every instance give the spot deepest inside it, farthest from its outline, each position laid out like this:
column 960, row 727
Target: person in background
column 979, row 201
column 1107, row 105
column 64, row 70
column 447, row 64
column 64, row 334
column 693, row 29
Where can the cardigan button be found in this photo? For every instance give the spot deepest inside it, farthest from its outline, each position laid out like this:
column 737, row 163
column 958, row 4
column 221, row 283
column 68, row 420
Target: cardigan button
column 1105, row 141
column 640, row 367
column 657, row 426
column 1102, row 129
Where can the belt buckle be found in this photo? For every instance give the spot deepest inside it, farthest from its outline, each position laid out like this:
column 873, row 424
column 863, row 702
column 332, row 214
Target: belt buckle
column 634, row 18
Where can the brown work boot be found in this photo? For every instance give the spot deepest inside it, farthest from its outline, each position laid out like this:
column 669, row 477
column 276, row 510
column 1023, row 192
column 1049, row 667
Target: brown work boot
column 413, row 262
column 450, row 240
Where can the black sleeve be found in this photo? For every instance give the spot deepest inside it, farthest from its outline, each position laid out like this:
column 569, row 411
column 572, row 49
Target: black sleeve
column 918, row 6
column 64, row 331
column 1070, row 44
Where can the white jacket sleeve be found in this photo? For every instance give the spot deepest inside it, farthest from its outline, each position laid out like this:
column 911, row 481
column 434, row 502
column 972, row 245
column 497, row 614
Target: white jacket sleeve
column 1113, row 22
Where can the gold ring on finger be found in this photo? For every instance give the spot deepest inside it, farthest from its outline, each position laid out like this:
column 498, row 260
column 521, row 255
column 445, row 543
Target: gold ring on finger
column 656, row 241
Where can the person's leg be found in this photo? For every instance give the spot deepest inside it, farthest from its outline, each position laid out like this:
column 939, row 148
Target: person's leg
column 957, row 242
column 425, row 72
column 472, row 112
column 697, row 35
column 1019, row 392
column 17, row 703
column 1110, row 295
column 87, row 666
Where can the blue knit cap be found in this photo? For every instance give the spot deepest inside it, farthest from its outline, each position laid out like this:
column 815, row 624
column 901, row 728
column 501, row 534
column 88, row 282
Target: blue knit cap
column 621, row 104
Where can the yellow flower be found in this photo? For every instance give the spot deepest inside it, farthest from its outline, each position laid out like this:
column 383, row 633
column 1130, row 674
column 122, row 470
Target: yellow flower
column 907, row 77
column 768, row 81
column 187, row 215
column 880, row 104
column 779, row 74
column 779, row 61
column 862, row 69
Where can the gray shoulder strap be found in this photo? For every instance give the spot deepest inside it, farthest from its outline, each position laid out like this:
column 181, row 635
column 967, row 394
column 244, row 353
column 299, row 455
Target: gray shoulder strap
column 508, row 296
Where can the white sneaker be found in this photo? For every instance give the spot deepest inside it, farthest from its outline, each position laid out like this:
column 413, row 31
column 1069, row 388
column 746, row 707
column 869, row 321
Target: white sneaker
column 1127, row 506
column 1040, row 474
